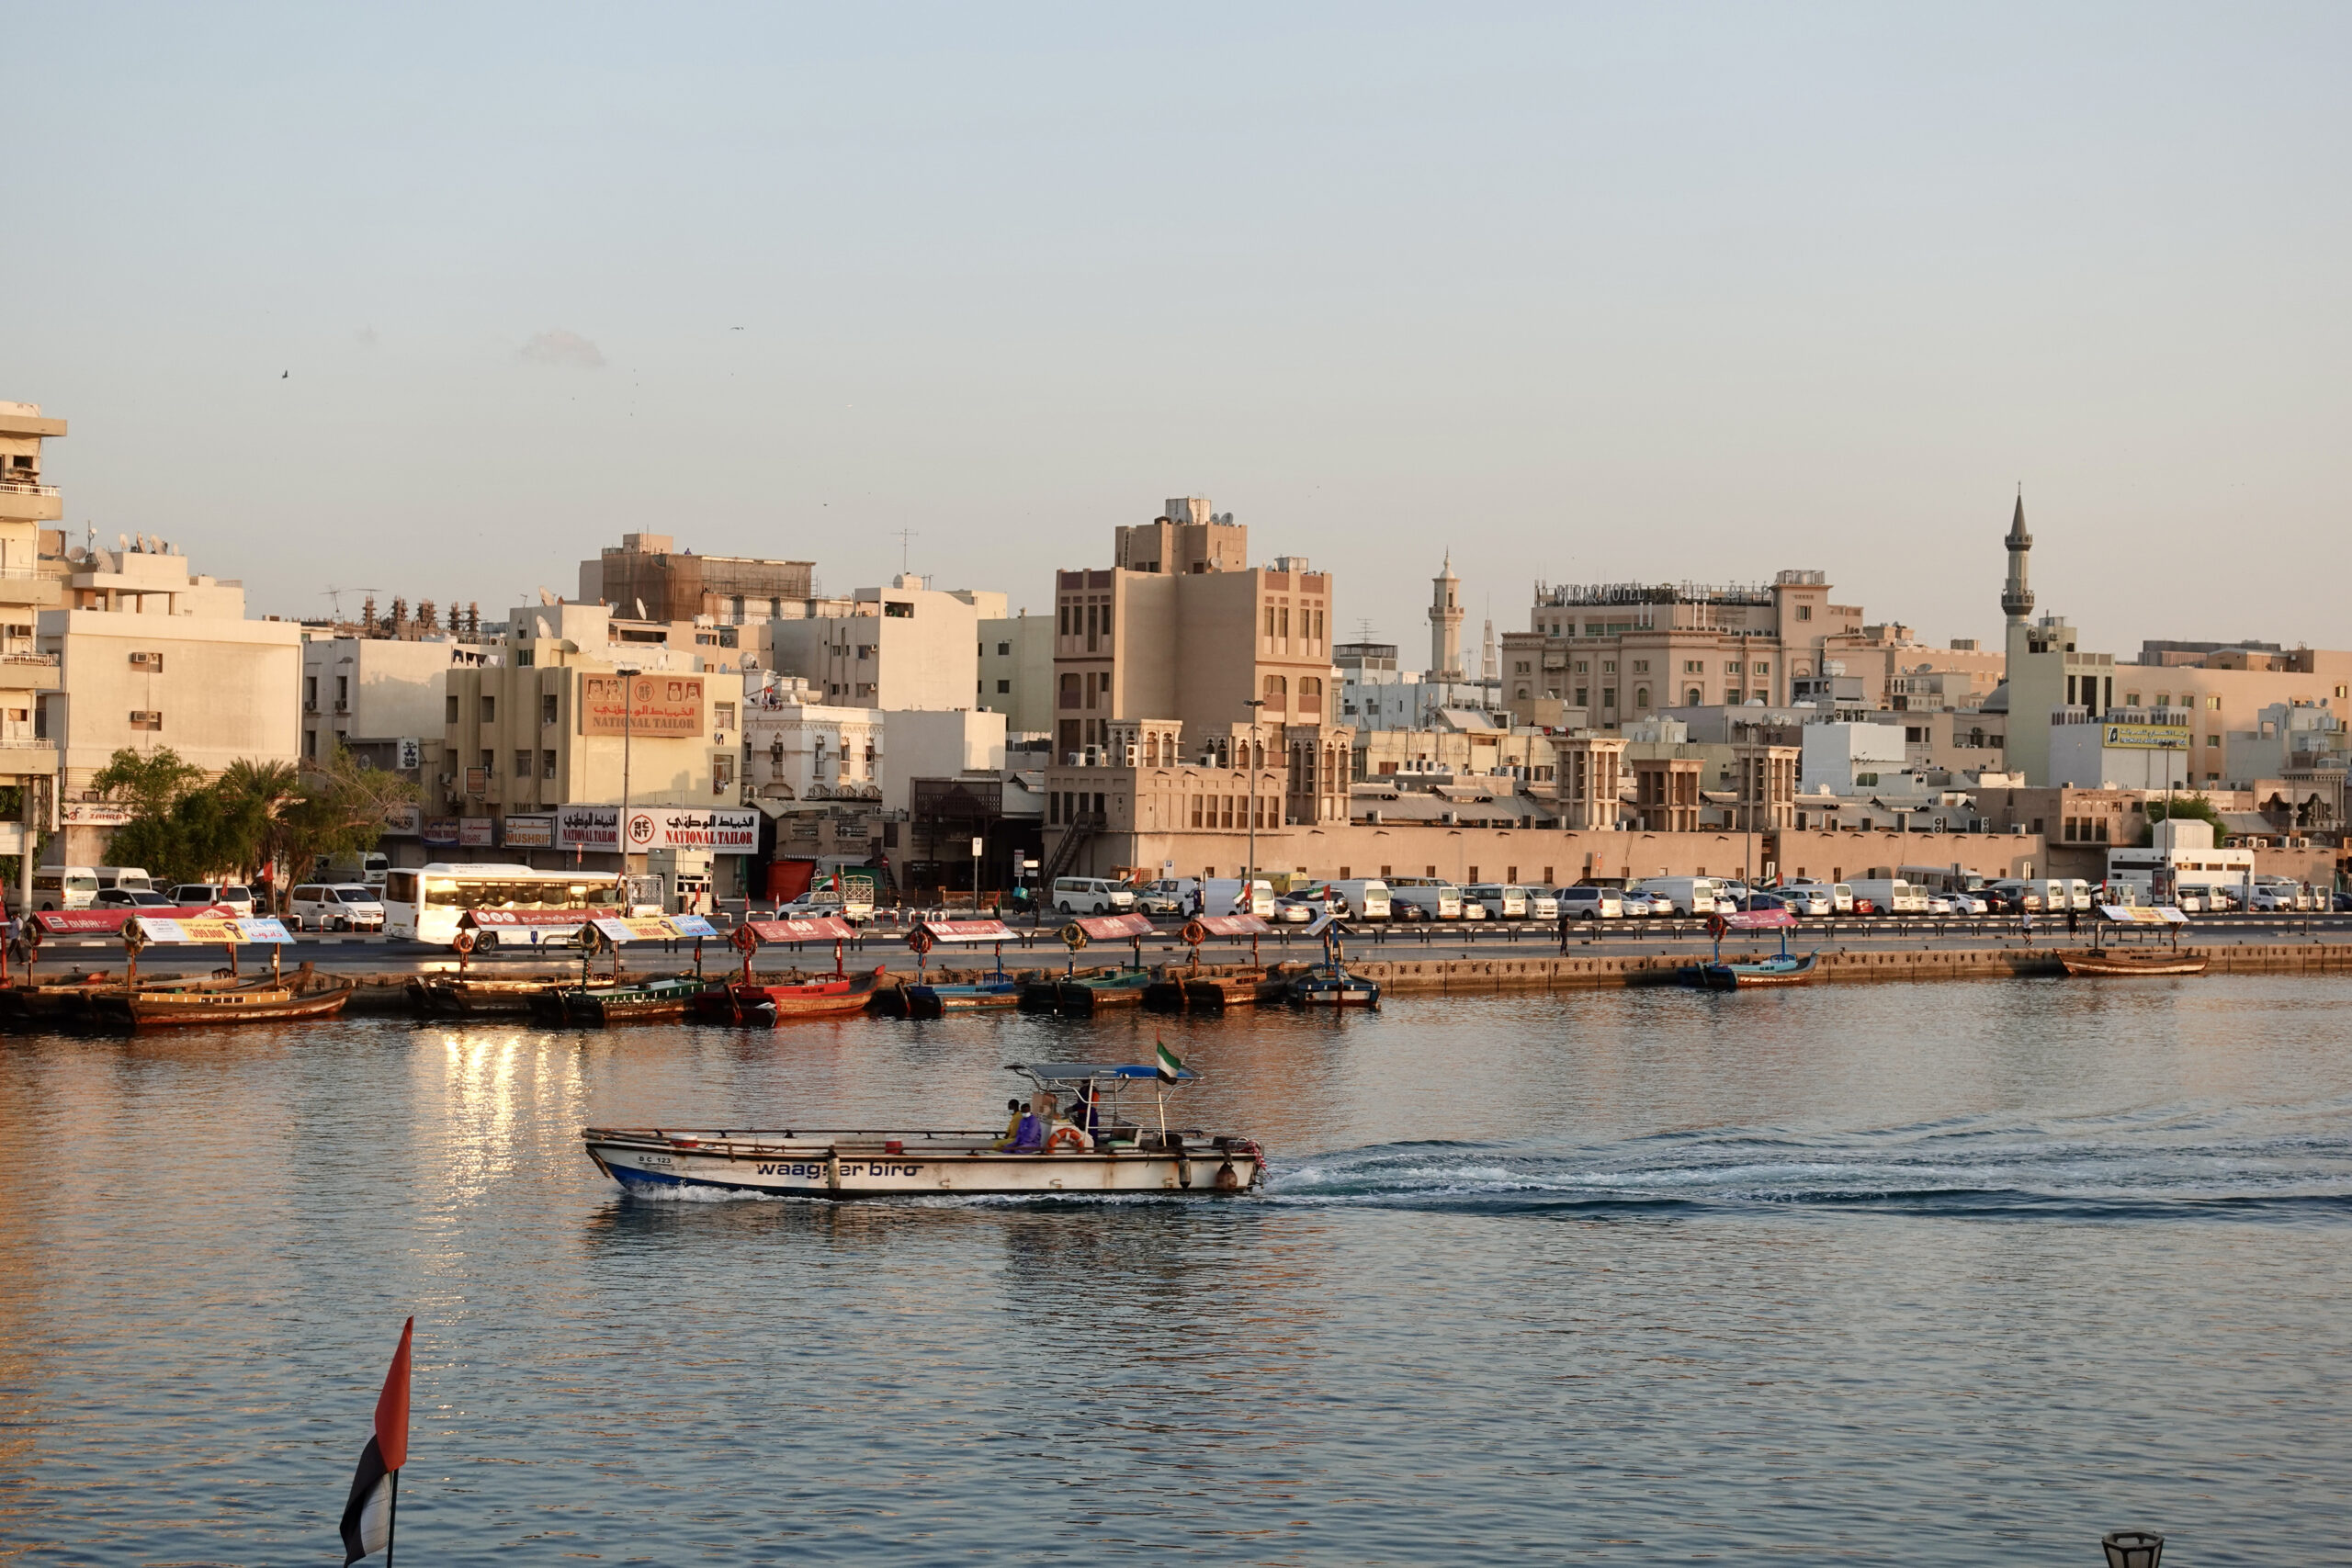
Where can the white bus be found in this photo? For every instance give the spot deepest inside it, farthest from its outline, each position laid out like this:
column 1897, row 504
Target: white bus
column 423, row 904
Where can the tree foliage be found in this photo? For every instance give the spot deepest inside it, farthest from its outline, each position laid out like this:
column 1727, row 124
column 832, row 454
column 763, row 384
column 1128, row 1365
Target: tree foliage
column 255, row 814
column 2186, row 808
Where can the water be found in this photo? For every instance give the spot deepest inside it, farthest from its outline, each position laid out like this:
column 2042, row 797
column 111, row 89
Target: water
column 1953, row 1274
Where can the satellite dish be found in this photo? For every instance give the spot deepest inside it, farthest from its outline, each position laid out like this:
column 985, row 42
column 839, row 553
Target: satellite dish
column 640, row 609
column 121, row 543
column 547, row 597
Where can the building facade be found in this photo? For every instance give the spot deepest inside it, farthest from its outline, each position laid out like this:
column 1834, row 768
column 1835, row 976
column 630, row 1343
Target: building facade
column 649, row 577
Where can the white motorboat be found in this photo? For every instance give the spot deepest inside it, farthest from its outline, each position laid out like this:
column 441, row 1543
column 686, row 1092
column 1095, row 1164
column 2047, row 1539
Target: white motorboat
column 1099, row 1145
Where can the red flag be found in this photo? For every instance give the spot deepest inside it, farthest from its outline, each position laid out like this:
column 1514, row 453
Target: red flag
column 391, row 1406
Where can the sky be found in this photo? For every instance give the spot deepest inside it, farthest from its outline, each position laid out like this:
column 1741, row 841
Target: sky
column 439, row 302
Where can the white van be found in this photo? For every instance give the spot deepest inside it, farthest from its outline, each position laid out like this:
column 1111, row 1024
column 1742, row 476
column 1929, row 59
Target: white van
column 1366, row 895
column 1225, row 896
column 129, row 878
column 1586, row 902
column 59, row 887
column 2078, row 893
column 1688, row 894
column 1091, row 895
column 1436, row 900
column 1504, row 900
column 1890, row 895
column 336, row 907
column 1840, row 894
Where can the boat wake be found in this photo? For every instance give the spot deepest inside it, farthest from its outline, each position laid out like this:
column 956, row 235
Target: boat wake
column 2267, row 1163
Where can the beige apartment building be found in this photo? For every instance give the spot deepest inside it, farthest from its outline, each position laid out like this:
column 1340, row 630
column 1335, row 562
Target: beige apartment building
column 650, row 579
column 907, row 646
column 153, row 655
column 28, row 585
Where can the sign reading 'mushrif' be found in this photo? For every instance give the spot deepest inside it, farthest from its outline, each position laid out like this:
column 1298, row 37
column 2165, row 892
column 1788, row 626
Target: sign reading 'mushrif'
column 660, row 706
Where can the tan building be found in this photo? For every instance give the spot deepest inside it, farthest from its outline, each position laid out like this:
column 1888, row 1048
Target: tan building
column 1622, row 651
column 1017, row 672
column 153, row 655
column 28, row 585
column 669, row 584
column 907, row 646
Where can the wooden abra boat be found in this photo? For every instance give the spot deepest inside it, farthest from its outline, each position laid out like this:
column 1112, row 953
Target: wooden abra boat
column 1087, row 993
column 630, row 1001
column 260, row 1001
column 1740, row 973
column 455, row 995
column 2109, row 963
column 1330, row 984
column 1093, row 1147
column 825, row 996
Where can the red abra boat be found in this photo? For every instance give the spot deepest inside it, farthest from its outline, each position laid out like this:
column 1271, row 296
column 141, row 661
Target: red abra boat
column 821, row 996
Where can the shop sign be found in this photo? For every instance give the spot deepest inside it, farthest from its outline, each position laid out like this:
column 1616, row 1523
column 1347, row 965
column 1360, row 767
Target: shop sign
column 2147, row 737
column 475, row 832
column 657, row 706
column 403, row 821
column 529, row 833
column 588, row 827
column 93, row 814
column 439, row 830
column 686, row 828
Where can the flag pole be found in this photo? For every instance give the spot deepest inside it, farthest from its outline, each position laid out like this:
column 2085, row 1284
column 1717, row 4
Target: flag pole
column 392, row 1521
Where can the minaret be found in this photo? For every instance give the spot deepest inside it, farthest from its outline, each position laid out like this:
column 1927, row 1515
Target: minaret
column 1445, row 624
column 2017, row 599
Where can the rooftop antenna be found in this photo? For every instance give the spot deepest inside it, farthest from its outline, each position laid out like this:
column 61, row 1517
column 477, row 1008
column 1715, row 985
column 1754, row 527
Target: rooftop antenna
column 905, row 536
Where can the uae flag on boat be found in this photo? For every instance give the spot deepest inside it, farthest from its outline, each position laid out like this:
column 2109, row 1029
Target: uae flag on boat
column 1171, row 1070
column 367, row 1517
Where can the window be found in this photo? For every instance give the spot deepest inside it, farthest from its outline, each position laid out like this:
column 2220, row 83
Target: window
column 1609, row 667
column 1641, row 666
column 1520, row 668
column 1762, row 668
column 310, row 693
column 547, row 765
column 2212, row 743
column 1694, row 667
column 341, row 692
column 1732, row 667
column 451, row 714
column 722, row 772
column 546, row 708
column 1694, row 697
column 311, row 743
column 522, row 765
column 2164, row 699
column 1641, row 696
column 1066, row 614
column 1196, row 811
column 1581, row 701
column 1805, row 612
column 489, row 710
column 2213, row 703
column 2131, row 699
column 1003, row 650
column 489, row 761
column 1004, row 687
column 1070, row 689
column 1584, row 667
column 722, row 715
column 1473, row 877
column 152, row 663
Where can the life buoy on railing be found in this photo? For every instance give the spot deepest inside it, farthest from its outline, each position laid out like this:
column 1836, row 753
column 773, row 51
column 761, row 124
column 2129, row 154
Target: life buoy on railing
column 1195, row 933
column 463, row 943
column 29, row 933
column 745, row 939
column 1065, row 1137
column 591, row 939
column 1717, row 927
column 1073, row 936
column 919, row 941
column 133, row 936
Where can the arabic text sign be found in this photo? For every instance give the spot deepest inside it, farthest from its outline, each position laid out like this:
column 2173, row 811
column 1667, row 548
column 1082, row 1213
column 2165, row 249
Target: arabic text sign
column 966, row 930
column 528, row 832
column 521, row 918
column 684, row 827
column 588, row 827
column 214, row 932
column 2146, row 737
column 824, row 928
column 1115, row 928
column 654, row 928
column 658, row 706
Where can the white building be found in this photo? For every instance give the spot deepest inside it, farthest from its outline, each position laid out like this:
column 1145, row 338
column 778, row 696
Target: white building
column 2123, row 749
column 2182, row 856
column 152, row 656
column 1017, row 672
column 28, row 584
column 906, row 646
column 1843, row 758
column 796, row 749
column 383, row 700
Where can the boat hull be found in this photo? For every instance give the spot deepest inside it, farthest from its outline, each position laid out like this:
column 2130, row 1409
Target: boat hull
column 932, row 1001
column 170, row 1010
column 740, row 1003
column 647, row 1002
column 853, row 1165
column 472, row 999
column 2117, row 965
column 1741, row 976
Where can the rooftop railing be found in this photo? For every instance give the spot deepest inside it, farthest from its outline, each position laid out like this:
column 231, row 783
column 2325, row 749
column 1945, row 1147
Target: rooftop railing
column 26, row 487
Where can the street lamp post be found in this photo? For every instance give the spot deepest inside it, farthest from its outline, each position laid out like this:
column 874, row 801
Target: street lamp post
column 629, row 714
column 1249, row 871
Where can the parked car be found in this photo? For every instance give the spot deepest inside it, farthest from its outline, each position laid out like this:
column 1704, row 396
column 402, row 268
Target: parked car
column 1806, row 898
column 1864, row 907
column 1408, row 914
column 1640, row 906
column 1543, row 907
column 336, row 907
column 2266, row 901
column 2343, row 903
column 1590, row 903
column 1091, row 895
column 1939, row 904
column 1840, row 894
column 199, row 895
column 813, row 904
column 1731, row 893
column 1170, row 896
column 1296, row 910
column 1969, row 904
column 129, row 899
column 1759, row 903
column 1504, row 900
column 1472, row 910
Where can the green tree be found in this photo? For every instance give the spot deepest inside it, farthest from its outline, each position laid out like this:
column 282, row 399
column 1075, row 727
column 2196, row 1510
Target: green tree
column 339, row 809
column 150, row 782
column 2185, row 808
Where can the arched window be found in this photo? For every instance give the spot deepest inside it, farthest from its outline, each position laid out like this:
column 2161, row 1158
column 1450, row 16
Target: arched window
column 1694, row 697
column 1276, row 694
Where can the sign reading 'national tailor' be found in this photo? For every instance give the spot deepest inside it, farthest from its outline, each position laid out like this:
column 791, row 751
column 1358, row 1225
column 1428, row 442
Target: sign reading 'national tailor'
column 658, row 706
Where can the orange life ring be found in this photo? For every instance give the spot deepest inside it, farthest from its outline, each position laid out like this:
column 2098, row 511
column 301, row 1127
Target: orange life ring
column 1073, row 936
column 463, row 941
column 746, row 940
column 1077, row 1139
column 1717, row 927
column 919, row 941
column 1195, row 933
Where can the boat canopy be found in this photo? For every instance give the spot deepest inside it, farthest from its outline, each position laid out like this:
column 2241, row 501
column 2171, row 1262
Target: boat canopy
column 2143, row 915
column 213, row 931
column 1233, row 925
column 822, row 927
column 108, row 922
column 1114, row 928
column 652, row 928
column 965, row 930
column 1078, row 1072
column 1758, row 920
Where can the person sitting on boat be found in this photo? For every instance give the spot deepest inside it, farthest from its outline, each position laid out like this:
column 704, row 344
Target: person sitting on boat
column 1012, row 1124
column 1029, row 1138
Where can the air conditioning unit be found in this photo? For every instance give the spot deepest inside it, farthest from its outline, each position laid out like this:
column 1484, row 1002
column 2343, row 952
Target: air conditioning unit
column 1130, row 753
column 1073, row 758
column 146, row 662
column 1093, row 757
column 1373, row 816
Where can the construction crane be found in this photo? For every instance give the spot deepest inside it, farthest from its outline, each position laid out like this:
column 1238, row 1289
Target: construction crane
column 335, row 596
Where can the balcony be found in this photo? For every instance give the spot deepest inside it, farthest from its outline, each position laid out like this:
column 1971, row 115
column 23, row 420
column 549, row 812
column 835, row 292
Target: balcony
column 22, row 501
column 29, row 672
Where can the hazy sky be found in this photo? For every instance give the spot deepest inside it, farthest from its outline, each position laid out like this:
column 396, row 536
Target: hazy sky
column 438, row 301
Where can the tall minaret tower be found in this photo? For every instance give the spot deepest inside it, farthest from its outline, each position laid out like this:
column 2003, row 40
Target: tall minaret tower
column 1445, row 624
column 2017, row 599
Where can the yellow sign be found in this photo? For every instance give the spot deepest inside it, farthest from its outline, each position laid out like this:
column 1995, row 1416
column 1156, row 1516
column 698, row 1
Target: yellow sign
column 2147, row 737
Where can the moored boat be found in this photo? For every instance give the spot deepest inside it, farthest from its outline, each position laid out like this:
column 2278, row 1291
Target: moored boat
column 262, row 1001
column 1087, row 993
column 1784, row 969
column 1334, row 986
column 1098, row 1148
column 453, row 995
column 821, row 996
column 921, row 998
column 627, row 1001
column 2107, row 962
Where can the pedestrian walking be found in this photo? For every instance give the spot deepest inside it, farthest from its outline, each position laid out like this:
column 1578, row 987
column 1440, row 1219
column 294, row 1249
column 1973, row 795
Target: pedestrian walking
column 2071, row 919
column 2025, row 921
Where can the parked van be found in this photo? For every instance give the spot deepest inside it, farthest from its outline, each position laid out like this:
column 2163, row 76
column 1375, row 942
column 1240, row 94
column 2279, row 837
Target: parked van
column 336, row 907
column 1435, row 899
column 1225, row 895
column 1840, row 894
column 1504, row 900
column 1890, row 895
column 1367, row 895
column 1169, row 896
column 59, row 887
column 1587, row 903
column 1688, row 894
column 1091, row 895
column 1940, row 879
column 129, row 878
column 369, row 867
column 2078, row 893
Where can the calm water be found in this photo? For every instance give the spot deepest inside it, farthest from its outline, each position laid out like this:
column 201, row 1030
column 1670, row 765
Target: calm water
column 1953, row 1275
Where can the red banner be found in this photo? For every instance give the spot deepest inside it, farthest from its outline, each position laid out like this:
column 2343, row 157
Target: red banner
column 965, row 930
column 1115, row 928
column 108, row 922
column 483, row 918
column 1232, row 925
column 823, row 928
